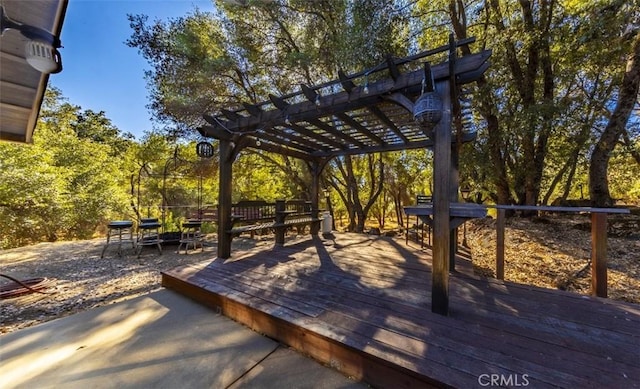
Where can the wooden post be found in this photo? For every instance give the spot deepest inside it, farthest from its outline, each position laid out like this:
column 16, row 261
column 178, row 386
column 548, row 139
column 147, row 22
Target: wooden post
column 599, row 254
column 280, row 218
column 451, row 103
column 453, row 198
column 224, row 198
column 441, row 194
column 453, row 248
column 500, row 244
column 314, row 167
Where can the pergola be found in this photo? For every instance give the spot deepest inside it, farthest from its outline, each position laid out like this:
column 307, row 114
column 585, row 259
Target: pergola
column 341, row 118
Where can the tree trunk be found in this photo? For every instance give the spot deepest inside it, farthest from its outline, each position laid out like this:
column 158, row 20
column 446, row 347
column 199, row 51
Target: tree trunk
column 487, row 109
column 555, row 182
column 529, row 67
column 397, row 204
column 572, row 172
column 627, row 97
column 570, row 165
column 355, row 215
column 348, row 182
column 376, row 187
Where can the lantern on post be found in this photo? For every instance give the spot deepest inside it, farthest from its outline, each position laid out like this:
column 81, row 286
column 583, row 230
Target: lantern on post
column 427, row 110
column 204, row 149
column 465, row 192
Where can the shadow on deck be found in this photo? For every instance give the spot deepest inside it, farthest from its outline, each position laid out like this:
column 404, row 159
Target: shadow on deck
column 361, row 304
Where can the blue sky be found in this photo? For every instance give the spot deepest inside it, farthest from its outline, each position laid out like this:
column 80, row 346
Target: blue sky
column 100, row 72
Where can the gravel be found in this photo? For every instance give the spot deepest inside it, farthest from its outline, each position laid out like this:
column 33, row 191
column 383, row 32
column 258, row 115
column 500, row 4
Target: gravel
column 551, row 252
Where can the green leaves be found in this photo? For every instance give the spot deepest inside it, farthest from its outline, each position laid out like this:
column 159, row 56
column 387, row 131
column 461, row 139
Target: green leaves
column 67, row 183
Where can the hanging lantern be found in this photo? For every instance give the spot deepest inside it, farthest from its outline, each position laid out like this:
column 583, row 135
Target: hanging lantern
column 204, row 150
column 427, row 109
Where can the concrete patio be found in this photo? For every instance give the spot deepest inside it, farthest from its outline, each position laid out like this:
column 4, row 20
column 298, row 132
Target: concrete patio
column 160, row 340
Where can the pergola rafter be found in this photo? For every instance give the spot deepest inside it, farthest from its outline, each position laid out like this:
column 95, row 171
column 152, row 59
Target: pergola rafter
column 327, row 122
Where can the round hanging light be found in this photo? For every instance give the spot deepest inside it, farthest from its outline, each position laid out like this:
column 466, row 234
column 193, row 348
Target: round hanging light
column 43, row 57
column 204, row 150
column 428, row 108
column 41, row 49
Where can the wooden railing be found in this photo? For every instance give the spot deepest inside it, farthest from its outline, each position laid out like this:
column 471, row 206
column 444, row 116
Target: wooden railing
column 250, row 211
column 598, row 239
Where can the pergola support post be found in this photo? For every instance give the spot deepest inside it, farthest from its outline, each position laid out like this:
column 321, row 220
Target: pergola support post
column 315, row 169
column 500, row 224
column 441, row 196
column 599, row 254
column 453, row 198
column 452, row 105
column 224, row 198
column 281, row 207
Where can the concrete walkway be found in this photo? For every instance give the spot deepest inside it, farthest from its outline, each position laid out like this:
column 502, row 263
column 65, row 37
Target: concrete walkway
column 161, row 340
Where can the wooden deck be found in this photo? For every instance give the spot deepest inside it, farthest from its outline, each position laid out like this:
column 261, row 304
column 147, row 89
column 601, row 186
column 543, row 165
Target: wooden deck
column 361, row 304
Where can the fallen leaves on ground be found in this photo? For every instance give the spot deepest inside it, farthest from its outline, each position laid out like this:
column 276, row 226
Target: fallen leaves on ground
column 554, row 251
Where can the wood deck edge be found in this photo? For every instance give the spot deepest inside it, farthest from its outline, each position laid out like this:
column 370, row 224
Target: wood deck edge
column 352, row 362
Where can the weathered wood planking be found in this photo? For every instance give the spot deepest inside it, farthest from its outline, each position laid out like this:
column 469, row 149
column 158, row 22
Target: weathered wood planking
column 362, row 305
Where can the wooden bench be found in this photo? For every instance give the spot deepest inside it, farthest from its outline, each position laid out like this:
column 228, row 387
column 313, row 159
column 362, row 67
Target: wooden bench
column 257, row 216
column 251, row 216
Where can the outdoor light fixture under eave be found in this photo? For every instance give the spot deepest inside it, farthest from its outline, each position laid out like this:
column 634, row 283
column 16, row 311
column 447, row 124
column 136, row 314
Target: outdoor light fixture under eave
column 41, row 50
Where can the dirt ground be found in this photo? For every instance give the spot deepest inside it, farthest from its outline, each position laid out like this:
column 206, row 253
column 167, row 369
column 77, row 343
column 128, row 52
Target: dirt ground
column 554, row 251
column 551, row 252
column 82, row 280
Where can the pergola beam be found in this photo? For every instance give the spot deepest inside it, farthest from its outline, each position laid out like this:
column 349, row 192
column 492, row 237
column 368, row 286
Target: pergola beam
column 425, row 144
column 279, row 140
column 278, row 149
column 308, row 129
column 347, row 78
column 346, row 82
column 394, row 72
column 357, row 98
column 323, row 126
column 215, row 132
column 230, row 114
column 309, row 93
column 254, row 110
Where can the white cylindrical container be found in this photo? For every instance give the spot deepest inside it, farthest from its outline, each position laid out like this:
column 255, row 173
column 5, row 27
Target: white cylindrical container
column 327, row 221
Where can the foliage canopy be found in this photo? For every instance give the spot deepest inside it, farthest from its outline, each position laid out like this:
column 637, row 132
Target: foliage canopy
column 560, row 88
